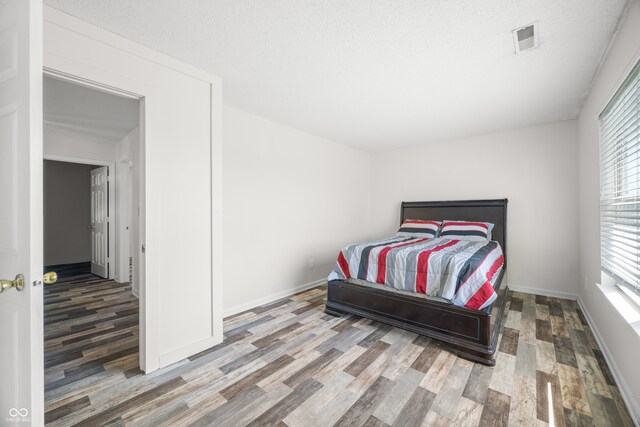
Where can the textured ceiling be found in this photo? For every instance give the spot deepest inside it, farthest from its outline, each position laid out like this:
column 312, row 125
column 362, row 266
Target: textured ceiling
column 70, row 109
column 378, row 74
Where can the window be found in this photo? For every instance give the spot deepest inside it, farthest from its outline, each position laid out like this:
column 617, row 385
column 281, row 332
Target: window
column 620, row 184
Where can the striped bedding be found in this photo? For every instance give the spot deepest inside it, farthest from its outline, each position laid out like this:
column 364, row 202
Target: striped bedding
column 463, row 272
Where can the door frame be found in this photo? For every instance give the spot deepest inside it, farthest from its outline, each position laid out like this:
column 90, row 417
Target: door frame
column 144, row 337
column 85, row 53
column 113, row 188
column 124, row 168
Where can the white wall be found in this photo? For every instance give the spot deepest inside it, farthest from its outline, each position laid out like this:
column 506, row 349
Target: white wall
column 621, row 339
column 288, row 197
column 535, row 168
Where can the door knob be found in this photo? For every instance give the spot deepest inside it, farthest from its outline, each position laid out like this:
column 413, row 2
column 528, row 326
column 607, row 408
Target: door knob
column 17, row 283
column 48, row 279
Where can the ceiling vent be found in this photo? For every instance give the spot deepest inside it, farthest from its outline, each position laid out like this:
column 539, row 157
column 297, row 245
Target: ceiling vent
column 526, row 38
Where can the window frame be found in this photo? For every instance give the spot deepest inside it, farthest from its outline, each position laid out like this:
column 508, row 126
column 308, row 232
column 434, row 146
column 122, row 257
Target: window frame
column 618, row 173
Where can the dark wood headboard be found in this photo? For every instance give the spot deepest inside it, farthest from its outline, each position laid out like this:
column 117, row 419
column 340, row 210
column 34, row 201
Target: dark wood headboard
column 493, row 211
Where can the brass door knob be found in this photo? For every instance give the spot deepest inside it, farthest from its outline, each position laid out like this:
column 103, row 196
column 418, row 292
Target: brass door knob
column 47, row 278
column 50, row 278
column 17, row 283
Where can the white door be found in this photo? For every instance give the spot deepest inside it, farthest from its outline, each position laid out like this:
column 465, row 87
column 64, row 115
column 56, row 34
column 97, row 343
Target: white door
column 21, row 341
column 100, row 222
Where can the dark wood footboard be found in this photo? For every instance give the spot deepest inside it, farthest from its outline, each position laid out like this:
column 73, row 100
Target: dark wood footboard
column 472, row 334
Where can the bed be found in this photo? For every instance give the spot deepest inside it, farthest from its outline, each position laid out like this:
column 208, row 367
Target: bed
column 470, row 333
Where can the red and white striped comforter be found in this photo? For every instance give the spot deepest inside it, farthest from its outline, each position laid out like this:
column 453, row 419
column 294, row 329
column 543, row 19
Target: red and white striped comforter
column 461, row 271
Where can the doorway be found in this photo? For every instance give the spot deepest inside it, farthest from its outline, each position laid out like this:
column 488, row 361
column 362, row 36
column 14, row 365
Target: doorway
column 92, row 160
column 79, row 211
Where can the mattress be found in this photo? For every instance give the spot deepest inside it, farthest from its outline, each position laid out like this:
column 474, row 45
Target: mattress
column 461, row 272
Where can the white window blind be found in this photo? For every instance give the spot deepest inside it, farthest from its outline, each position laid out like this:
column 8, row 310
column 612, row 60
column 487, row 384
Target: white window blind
column 620, row 183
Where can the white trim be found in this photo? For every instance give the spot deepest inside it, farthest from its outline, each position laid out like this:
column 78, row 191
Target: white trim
column 124, row 210
column 630, row 293
column 543, row 292
column 78, row 160
column 215, row 137
column 626, row 393
column 271, row 298
column 113, row 189
column 79, row 81
column 135, row 293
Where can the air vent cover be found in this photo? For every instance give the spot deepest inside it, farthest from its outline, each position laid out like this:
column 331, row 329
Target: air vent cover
column 526, row 38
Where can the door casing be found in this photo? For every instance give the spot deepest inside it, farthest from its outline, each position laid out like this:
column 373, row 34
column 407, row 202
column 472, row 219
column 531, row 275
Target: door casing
column 138, row 225
column 95, row 58
column 113, row 189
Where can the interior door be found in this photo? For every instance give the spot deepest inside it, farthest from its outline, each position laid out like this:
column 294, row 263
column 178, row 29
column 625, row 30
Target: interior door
column 21, row 341
column 100, row 221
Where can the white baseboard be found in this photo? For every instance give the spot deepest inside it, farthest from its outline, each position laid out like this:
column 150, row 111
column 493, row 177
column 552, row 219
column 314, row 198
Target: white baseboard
column 544, row 292
column 627, row 396
column 269, row 299
column 135, row 292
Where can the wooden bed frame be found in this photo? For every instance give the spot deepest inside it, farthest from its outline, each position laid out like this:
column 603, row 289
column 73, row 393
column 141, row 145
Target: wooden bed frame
column 472, row 334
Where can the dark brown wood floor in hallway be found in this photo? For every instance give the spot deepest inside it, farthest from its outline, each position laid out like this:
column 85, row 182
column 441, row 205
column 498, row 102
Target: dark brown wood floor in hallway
column 288, row 363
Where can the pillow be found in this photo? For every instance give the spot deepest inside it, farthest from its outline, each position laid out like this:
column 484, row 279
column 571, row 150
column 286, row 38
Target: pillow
column 466, row 230
column 419, row 228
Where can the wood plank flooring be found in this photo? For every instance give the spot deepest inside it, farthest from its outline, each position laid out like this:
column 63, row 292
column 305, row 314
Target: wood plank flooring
column 290, row 364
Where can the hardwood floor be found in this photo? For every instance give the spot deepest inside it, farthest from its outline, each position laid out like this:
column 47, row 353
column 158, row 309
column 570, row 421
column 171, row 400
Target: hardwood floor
column 288, row 363
column 90, row 333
